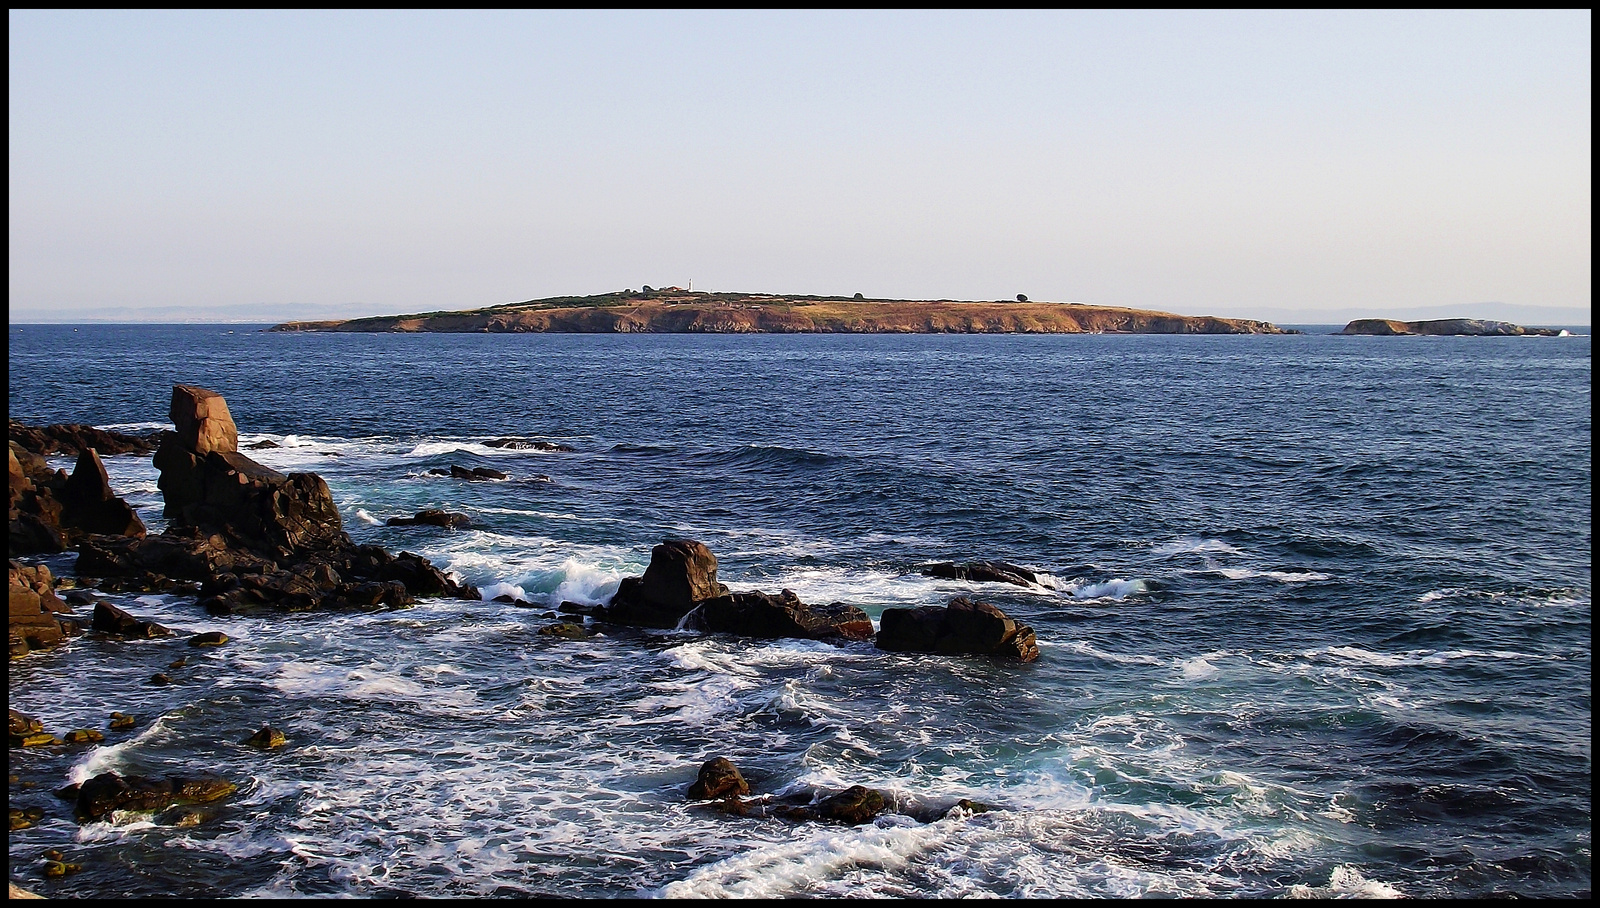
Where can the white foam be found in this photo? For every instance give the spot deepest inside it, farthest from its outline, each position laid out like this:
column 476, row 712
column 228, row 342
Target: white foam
column 1115, row 588
column 435, row 448
column 492, row 590
column 367, row 518
column 1196, row 669
column 784, row 869
column 1078, row 646
column 1283, row 576
column 1185, row 545
column 1360, row 656
column 1346, row 882
column 369, row 682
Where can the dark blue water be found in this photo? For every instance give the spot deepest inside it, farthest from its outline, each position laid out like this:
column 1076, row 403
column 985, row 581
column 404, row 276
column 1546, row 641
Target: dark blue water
column 1316, row 619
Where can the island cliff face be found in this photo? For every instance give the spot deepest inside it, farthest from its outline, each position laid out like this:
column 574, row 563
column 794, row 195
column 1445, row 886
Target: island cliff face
column 1471, row 327
column 675, row 311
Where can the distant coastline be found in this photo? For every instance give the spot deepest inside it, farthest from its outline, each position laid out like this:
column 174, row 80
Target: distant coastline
column 675, row 311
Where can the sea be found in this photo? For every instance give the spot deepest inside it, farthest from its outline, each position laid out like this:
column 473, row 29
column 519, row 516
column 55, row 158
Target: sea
column 1313, row 611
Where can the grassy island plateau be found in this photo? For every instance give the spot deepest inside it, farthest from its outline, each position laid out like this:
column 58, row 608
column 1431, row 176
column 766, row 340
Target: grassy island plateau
column 675, row 311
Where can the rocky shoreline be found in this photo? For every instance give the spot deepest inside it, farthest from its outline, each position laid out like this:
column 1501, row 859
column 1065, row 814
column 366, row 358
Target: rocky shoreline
column 676, row 311
column 245, row 539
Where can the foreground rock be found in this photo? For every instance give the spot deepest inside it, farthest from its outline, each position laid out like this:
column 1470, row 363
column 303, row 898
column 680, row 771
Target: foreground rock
column 39, row 619
column 755, row 614
column 1469, row 327
column 681, row 575
column 962, row 627
column 249, row 535
column 983, row 572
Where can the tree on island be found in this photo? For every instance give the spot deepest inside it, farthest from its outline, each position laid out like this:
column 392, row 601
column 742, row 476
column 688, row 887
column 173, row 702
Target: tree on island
column 1021, row 298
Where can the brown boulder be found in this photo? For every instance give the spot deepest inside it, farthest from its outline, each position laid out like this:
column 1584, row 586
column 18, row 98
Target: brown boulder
column 719, row 778
column 681, row 575
column 855, row 805
column 38, row 616
column 202, row 420
column 962, row 627
column 255, row 507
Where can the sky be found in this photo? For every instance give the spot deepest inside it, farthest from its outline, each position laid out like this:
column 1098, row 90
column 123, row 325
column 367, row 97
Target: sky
column 256, row 166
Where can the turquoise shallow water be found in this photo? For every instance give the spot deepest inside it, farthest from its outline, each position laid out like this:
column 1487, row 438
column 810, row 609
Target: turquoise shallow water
column 1315, row 617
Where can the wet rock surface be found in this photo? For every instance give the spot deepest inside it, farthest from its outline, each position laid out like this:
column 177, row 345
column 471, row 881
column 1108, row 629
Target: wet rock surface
column 982, row 572
column 682, row 574
column 755, row 614
column 962, row 627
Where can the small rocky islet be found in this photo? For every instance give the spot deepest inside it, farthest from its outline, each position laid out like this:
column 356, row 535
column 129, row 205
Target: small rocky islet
column 243, row 538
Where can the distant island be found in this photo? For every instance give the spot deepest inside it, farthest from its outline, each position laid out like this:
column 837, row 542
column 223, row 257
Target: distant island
column 672, row 310
column 1471, row 327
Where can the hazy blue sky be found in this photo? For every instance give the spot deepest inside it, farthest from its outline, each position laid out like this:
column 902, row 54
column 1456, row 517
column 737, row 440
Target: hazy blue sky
column 267, row 165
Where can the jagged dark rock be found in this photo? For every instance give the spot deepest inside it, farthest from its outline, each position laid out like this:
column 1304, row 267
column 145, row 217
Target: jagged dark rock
column 88, row 504
column 250, row 536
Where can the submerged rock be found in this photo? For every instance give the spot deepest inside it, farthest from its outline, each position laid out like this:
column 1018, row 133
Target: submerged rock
column 523, row 444
column 564, row 629
column 855, row 805
column 266, row 738
column 718, row 778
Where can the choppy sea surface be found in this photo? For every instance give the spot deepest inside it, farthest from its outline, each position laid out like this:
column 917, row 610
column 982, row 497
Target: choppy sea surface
column 1314, row 618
